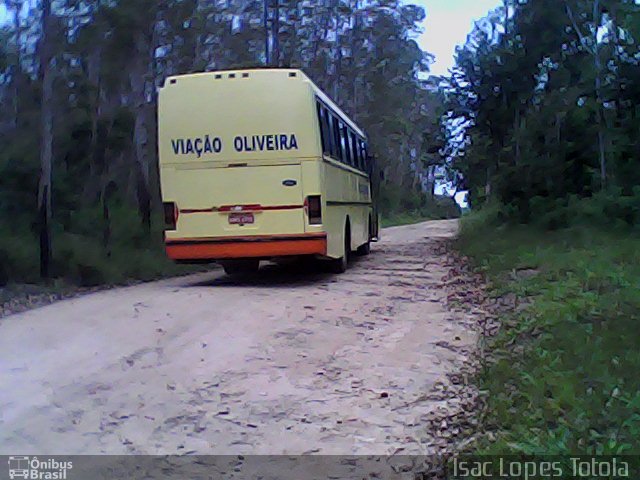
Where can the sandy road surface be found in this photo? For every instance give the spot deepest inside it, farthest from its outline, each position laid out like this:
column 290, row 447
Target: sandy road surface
column 283, row 362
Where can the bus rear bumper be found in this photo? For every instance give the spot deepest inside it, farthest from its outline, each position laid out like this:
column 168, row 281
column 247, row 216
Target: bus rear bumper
column 267, row 246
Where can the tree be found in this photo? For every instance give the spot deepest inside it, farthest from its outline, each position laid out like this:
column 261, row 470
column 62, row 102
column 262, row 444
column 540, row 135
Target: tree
column 46, row 75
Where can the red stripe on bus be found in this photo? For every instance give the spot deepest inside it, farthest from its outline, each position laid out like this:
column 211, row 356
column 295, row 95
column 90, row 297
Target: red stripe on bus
column 245, row 208
column 199, row 210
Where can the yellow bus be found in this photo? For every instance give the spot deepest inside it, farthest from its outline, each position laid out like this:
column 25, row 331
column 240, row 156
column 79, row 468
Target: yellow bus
column 260, row 165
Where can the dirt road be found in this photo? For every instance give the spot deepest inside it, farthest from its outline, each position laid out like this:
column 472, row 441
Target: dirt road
column 283, row 362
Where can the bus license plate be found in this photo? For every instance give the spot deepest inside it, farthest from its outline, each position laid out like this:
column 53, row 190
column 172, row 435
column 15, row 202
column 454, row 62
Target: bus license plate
column 241, row 218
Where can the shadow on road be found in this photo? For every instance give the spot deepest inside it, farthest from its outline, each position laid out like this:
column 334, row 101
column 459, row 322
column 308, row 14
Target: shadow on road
column 293, row 274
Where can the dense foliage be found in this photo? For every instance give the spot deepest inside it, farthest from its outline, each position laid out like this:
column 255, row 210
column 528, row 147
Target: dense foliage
column 78, row 83
column 546, row 99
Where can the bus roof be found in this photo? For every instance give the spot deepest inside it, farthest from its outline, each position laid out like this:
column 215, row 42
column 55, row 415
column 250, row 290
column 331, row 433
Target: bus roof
column 298, row 74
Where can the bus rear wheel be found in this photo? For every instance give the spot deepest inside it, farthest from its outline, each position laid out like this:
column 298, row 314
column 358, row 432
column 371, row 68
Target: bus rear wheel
column 339, row 265
column 240, row 267
column 365, row 249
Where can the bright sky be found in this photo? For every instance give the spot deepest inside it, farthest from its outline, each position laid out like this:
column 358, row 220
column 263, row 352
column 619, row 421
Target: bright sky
column 447, row 24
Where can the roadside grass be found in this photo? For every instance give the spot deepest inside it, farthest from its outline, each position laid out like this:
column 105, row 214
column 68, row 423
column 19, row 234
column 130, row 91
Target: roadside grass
column 396, row 219
column 400, row 207
column 81, row 260
column 563, row 376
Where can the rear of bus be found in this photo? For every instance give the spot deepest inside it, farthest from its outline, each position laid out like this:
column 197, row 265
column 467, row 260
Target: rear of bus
column 240, row 166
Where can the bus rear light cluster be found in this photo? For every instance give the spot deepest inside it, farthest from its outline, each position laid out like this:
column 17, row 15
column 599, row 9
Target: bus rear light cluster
column 171, row 214
column 313, row 209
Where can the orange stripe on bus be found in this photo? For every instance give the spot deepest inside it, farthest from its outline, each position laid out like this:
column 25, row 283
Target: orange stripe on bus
column 248, row 238
column 216, row 251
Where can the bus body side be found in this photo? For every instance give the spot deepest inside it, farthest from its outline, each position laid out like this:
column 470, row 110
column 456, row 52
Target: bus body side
column 348, row 200
column 245, row 145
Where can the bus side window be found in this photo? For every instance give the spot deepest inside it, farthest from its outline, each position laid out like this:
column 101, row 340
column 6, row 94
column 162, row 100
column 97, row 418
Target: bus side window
column 357, row 160
column 323, row 130
column 345, row 144
column 332, row 142
column 328, row 118
column 337, row 127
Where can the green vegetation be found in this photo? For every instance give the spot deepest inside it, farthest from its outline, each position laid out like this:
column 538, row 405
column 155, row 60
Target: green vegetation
column 81, row 258
column 564, row 372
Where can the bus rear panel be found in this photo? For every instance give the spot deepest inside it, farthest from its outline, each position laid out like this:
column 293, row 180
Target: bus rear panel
column 240, row 166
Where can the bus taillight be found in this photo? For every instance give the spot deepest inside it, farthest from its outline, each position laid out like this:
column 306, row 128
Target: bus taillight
column 313, row 209
column 170, row 215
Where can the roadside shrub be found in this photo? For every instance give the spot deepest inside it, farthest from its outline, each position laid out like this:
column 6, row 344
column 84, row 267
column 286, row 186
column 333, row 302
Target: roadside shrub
column 19, row 252
column 87, row 251
column 610, row 209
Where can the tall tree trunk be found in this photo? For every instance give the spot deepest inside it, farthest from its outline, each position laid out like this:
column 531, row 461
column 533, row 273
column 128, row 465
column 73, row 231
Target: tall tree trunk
column 599, row 100
column 46, row 149
column 91, row 187
column 595, row 51
column 16, row 80
column 322, row 25
column 265, row 18
column 487, row 185
column 354, row 69
column 198, row 62
column 516, row 131
column 276, row 33
column 431, row 181
column 138, row 79
column 338, row 58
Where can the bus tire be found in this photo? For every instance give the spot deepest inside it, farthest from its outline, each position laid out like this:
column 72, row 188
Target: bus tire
column 339, row 265
column 365, row 249
column 240, row 267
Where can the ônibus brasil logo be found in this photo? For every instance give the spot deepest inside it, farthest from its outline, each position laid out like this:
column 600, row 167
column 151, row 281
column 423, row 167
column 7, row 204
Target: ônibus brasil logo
column 36, row 469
